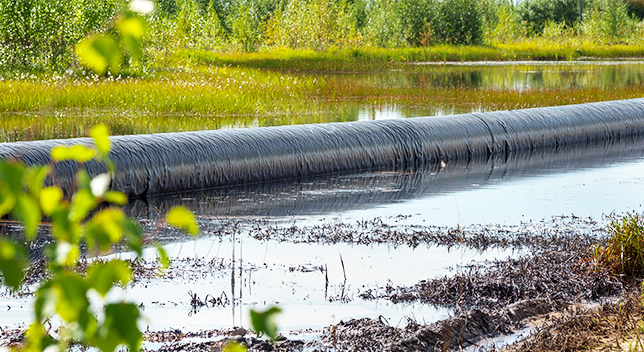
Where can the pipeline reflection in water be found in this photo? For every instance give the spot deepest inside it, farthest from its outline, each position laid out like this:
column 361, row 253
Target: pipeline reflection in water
column 337, row 193
column 173, row 162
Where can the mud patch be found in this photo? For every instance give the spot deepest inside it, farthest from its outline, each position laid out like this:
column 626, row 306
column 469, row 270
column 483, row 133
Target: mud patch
column 450, row 334
column 611, row 326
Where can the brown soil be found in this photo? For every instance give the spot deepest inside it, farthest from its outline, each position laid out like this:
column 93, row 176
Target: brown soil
column 614, row 326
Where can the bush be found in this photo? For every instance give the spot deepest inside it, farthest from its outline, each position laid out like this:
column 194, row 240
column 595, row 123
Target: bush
column 536, row 13
column 385, row 25
column 186, row 24
column 502, row 22
column 245, row 27
column 623, row 254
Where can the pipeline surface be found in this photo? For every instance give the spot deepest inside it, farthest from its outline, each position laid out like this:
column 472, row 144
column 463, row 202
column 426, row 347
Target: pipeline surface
column 172, row 162
column 344, row 192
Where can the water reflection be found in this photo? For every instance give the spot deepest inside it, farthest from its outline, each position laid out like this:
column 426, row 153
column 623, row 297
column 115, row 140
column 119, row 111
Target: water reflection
column 522, row 76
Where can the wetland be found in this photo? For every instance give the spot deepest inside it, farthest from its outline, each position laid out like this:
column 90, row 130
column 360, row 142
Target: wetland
column 464, row 255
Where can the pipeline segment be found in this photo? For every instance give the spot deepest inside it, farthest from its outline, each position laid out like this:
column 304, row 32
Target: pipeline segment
column 173, row 162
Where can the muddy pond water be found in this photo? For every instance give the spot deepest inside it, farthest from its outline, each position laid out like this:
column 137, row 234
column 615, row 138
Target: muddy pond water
column 316, row 246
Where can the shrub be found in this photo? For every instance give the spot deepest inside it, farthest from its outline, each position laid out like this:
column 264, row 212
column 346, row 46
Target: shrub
column 186, row 24
column 459, row 22
column 384, row 25
column 91, row 219
column 313, row 24
column 32, row 34
column 245, row 27
column 538, row 12
column 608, row 21
column 503, row 24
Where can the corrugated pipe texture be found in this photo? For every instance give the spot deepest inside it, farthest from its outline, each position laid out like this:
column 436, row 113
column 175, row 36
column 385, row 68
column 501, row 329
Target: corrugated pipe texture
column 172, row 162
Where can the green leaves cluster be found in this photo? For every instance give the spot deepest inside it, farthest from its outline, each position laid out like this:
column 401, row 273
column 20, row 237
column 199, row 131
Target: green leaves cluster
column 90, row 217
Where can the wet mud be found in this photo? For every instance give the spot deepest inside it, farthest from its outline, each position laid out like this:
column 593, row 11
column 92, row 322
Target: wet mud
column 549, row 274
column 612, row 326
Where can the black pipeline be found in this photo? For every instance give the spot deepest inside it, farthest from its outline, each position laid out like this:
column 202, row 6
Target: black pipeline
column 172, row 162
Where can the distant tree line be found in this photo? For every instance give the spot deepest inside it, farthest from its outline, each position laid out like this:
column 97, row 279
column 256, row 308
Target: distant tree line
column 40, row 34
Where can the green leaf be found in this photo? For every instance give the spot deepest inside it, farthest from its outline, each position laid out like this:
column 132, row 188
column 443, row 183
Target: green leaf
column 182, row 218
column 120, row 326
column 134, row 47
column 82, row 203
column 105, row 229
column 7, row 199
column 162, row 256
column 103, row 276
column 79, row 153
column 35, row 178
column 38, row 340
column 83, row 181
column 28, row 212
column 99, row 53
column 64, row 229
column 50, row 198
column 13, row 262
column 234, row 346
column 65, row 253
column 70, row 294
column 114, row 197
column 134, row 234
column 45, row 304
column 12, row 174
column 100, row 133
column 264, row 322
column 132, row 30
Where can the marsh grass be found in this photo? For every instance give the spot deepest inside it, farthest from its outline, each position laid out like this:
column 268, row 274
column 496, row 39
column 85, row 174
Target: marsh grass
column 371, row 59
column 623, row 253
column 205, row 90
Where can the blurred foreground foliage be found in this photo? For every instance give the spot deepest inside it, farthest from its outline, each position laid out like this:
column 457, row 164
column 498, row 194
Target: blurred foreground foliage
column 89, row 220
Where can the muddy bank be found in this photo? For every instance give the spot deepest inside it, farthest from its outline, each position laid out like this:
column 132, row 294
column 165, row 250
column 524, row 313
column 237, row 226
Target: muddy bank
column 376, row 334
column 612, row 326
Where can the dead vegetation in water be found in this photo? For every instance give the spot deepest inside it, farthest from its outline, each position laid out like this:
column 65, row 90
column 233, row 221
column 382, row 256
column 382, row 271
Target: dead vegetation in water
column 560, row 233
column 557, row 276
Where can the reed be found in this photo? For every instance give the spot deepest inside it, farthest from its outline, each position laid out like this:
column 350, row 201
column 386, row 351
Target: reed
column 623, row 253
